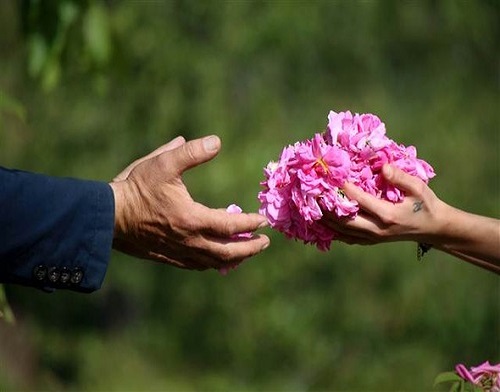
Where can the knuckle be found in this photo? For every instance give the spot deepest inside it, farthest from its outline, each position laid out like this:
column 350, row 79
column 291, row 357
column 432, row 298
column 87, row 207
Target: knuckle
column 190, row 151
column 222, row 224
column 177, row 221
column 225, row 255
column 389, row 219
column 378, row 234
column 396, row 176
column 228, row 227
column 189, row 221
column 420, row 188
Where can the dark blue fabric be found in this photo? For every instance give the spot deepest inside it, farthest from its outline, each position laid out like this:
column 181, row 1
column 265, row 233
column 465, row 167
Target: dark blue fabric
column 60, row 224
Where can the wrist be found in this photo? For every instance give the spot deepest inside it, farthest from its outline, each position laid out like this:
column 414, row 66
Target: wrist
column 442, row 224
column 437, row 231
column 119, row 197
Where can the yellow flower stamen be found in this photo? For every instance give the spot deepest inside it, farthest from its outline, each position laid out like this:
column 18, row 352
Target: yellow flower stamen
column 322, row 163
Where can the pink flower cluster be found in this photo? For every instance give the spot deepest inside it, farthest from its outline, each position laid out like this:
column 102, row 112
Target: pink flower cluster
column 485, row 375
column 309, row 175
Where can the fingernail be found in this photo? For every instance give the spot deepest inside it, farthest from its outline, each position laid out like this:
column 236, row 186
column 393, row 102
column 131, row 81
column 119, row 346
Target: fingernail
column 388, row 170
column 266, row 245
column 211, row 143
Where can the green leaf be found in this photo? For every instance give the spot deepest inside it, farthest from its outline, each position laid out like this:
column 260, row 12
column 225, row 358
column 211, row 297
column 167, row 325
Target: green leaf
column 456, row 387
column 447, row 377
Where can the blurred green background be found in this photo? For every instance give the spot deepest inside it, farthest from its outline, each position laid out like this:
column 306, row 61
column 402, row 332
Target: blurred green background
column 87, row 87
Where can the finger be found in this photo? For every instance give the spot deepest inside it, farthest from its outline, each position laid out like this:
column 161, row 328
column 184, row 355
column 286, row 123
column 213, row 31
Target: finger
column 361, row 227
column 174, row 143
column 191, row 154
column 332, row 222
column 227, row 252
column 220, row 253
column 367, row 202
column 135, row 251
column 402, row 180
column 224, row 224
column 186, row 263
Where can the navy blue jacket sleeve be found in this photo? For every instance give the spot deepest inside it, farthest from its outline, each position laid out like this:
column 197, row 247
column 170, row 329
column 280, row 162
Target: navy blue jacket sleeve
column 54, row 232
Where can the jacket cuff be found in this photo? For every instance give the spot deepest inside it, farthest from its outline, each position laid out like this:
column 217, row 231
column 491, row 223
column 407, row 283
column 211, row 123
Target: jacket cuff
column 97, row 250
column 87, row 270
column 57, row 232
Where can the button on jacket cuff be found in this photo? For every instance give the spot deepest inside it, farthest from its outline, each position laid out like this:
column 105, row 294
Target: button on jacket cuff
column 55, row 232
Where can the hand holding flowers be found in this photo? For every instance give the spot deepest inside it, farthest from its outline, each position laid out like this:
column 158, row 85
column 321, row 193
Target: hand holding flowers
column 354, row 184
column 310, row 176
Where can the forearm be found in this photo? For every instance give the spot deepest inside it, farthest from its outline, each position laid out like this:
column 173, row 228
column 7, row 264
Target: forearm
column 490, row 266
column 473, row 238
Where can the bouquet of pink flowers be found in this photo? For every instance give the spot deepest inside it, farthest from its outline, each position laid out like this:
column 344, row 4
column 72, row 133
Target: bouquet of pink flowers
column 308, row 177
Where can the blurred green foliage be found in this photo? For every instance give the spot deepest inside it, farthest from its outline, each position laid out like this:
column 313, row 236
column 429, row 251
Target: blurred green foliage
column 88, row 86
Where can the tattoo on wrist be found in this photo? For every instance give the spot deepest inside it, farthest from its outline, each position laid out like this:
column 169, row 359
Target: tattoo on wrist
column 417, row 206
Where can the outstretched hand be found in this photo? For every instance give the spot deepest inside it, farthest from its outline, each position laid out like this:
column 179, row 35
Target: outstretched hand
column 157, row 219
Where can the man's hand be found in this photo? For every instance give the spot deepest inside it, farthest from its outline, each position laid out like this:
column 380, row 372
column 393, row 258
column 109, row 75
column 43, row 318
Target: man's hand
column 157, row 219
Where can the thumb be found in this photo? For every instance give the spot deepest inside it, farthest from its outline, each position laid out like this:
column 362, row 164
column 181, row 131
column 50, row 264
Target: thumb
column 402, row 180
column 192, row 153
column 178, row 141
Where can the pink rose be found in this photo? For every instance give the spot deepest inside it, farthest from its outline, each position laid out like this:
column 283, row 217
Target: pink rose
column 485, row 375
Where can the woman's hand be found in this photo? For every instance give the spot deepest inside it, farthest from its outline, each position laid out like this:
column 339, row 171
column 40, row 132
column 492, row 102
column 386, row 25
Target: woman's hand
column 418, row 217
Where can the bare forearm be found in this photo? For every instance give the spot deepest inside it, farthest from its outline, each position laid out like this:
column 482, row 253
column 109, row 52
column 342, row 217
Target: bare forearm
column 473, row 238
column 490, row 266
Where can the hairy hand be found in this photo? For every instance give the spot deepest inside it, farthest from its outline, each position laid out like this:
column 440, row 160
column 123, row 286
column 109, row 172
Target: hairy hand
column 415, row 218
column 157, row 219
